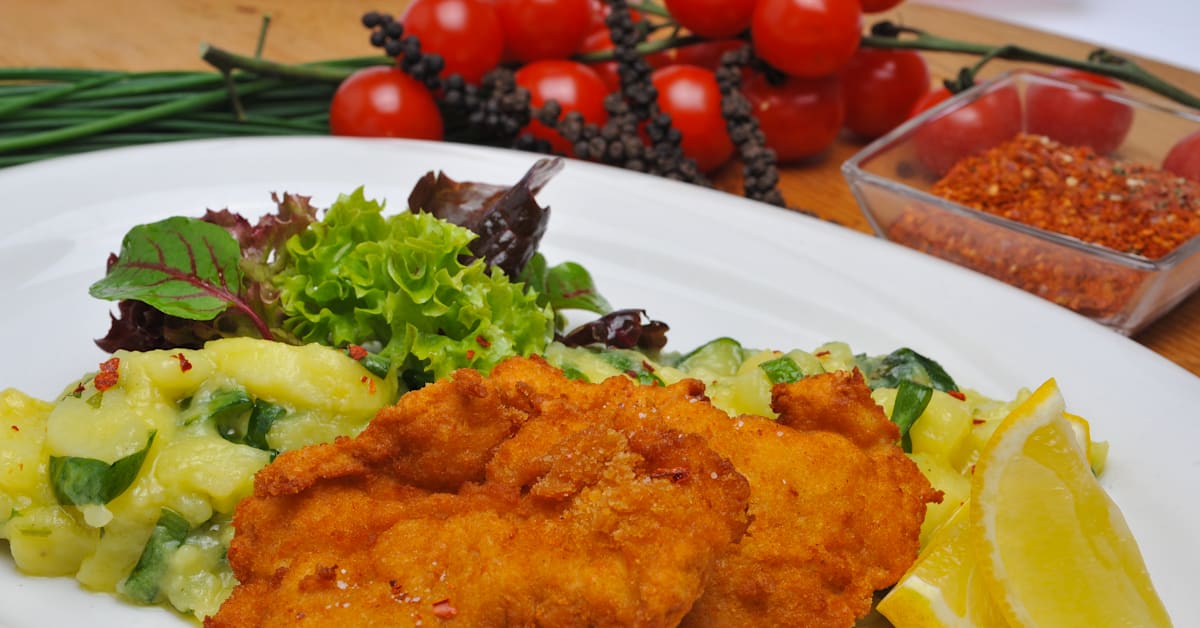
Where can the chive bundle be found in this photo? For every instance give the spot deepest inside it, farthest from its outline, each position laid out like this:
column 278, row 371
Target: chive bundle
column 50, row 112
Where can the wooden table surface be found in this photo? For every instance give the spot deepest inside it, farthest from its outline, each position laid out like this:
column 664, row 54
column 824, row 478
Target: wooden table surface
column 156, row 35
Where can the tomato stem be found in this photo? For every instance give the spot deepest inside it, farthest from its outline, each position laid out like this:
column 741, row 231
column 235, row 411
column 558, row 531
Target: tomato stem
column 644, row 48
column 262, row 36
column 327, row 72
column 650, row 8
column 887, row 35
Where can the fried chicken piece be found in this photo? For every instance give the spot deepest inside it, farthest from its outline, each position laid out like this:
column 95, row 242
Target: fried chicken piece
column 838, row 402
column 435, row 440
column 562, row 514
column 836, row 506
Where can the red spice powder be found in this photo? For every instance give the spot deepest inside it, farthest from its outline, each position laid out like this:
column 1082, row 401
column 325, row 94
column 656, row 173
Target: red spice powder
column 1126, row 207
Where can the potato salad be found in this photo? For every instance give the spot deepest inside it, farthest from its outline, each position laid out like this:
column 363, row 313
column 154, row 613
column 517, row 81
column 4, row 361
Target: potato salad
column 128, row 481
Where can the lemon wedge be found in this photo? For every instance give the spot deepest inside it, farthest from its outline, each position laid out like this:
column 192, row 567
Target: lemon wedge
column 943, row 588
column 1037, row 543
column 1051, row 546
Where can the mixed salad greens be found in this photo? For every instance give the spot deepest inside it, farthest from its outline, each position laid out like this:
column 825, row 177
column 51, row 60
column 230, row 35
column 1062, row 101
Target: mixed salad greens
column 455, row 283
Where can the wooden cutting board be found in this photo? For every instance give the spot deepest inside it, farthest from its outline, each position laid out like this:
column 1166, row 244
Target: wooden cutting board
column 154, row 35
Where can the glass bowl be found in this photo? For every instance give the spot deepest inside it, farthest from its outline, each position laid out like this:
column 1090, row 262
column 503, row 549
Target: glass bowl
column 892, row 181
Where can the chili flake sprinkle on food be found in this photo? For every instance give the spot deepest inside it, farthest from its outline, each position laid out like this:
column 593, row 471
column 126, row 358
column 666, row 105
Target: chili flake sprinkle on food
column 108, row 375
column 1127, row 207
column 185, row 365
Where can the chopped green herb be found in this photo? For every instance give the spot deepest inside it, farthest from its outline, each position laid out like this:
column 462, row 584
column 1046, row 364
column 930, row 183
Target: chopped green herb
column 79, row 481
column 633, row 367
column 904, row 364
column 376, row 364
column 911, row 400
column 782, row 370
column 224, row 408
column 573, row 372
column 262, row 417
column 142, row 584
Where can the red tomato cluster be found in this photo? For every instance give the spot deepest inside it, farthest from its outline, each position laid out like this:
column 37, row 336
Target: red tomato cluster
column 830, row 83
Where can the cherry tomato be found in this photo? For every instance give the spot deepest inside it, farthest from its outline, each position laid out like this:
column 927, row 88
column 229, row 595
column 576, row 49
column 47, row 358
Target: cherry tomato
column 690, row 95
column 599, row 41
column 465, row 32
column 1184, row 157
column 714, row 19
column 877, row 6
column 383, row 101
column 880, row 88
column 575, row 86
column 806, row 37
column 993, row 118
column 1078, row 116
column 800, row 118
column 543, row 29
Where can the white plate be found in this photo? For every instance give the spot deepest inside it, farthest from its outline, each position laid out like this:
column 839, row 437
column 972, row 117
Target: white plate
column 706, row 262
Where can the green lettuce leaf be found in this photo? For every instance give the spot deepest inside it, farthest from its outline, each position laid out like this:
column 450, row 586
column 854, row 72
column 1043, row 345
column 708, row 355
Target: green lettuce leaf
column 397, row 285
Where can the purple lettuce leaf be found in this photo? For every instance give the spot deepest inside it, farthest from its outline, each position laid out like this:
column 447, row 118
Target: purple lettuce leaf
column 508, row 219
column 622, row 329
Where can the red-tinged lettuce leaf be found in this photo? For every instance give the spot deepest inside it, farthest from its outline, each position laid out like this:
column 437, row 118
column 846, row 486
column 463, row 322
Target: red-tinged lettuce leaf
column 182, row 266
column 262, row 246
column 566, row 286
column 142, row 326
column 509, row 221
column 259, row 242
column 623, row 329
column 176, row 281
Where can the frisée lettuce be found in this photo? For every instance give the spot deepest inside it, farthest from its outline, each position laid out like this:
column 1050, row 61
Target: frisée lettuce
column 396, row 285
